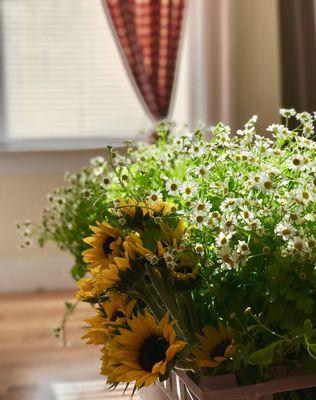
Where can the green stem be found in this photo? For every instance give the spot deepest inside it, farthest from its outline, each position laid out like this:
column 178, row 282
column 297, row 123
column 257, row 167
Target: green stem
column 150, row 300
column 170, row 304
column 191, row 311
column 266, row 328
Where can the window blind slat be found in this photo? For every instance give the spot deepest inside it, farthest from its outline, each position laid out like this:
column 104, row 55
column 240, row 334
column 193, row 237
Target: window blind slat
column 63, row 75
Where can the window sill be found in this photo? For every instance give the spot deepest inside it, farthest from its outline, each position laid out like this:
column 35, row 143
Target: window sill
column 52, row 156
column 60, row 144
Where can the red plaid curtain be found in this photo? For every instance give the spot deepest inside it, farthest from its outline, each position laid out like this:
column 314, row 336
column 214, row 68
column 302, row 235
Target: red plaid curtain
column 148, row 33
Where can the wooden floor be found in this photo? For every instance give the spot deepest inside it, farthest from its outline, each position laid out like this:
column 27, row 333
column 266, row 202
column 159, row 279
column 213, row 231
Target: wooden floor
column 33, row 366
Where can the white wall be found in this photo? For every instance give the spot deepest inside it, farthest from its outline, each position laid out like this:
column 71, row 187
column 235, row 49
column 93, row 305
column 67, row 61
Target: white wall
column 25, row 180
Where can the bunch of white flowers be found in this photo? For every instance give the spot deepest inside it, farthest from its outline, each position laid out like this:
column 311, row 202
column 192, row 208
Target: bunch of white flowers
column 244, row 196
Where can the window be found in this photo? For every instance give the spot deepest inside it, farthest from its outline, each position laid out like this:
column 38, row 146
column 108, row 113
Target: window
column 62, row 75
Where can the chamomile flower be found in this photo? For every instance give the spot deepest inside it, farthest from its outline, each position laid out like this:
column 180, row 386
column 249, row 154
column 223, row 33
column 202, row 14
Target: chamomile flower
column 245, row 213
column 298, row 244
column 214, row 219
column 242, row 247
column 287, row 112
column 154, row 197
column 285, row 230
column 98, row 171
column 173, row 187
column 199, row 248
column 189, row 189
column 295, row 162
column 163, row 161
column 304, row 117
column 152, row 258
column 308, row 129
column 196, row 149
column 202, row 170
column 302, row 196
column 227, row 258
column 253, row 225
column 250, row 124
column 228, row 222
column 199, row 219
column 265, row 183
column 97, row 161
column 223, row 238
column 228, row 204
column 170, row 259
column 201, row 206
column 310, row 217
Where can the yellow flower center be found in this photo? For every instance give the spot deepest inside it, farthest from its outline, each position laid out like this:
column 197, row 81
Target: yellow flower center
column 199, row 218
column 296, row 161
column 305, row 195
column 268, row 185
column 298, row 246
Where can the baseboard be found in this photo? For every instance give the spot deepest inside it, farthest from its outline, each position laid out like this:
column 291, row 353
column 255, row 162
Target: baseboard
column 23, row 275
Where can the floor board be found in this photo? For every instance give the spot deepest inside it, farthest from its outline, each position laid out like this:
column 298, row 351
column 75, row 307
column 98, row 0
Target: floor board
column 33, row 365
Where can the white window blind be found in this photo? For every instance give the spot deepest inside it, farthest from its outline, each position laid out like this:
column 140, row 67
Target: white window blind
column 63, row 76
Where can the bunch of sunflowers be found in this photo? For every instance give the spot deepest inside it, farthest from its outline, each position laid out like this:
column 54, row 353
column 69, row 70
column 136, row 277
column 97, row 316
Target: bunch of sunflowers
column 197, row 253
column 141, row 274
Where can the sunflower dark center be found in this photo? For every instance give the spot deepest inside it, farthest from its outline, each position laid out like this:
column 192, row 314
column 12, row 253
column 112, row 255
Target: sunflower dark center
column 184, row 269
column 106, row 245
column 117, row 314
column 219, row 349
column 152, row 350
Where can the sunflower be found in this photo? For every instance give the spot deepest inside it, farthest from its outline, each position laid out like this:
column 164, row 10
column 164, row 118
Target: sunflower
column 105, row 242
column 106, row 279
column 144, row 352
column 97, row 333
column 114, row 311
column 122, row 274
column 86, row 289
column 117, row 309
column 101, row 280
column 174, row 236
column 148, row 207
column 185, row 272
column 215, row 347
column 134, row 248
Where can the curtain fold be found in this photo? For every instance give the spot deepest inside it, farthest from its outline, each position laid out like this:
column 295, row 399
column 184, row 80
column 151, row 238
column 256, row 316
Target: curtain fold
column 148, row 33
column 298, row 50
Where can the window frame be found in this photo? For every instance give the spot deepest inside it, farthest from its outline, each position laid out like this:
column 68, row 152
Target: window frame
column 196, row 91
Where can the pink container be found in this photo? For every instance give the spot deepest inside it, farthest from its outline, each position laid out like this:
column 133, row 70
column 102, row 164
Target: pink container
column 180, row 387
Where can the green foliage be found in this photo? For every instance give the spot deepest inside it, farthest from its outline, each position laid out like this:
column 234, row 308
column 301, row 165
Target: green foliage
column 249, row 207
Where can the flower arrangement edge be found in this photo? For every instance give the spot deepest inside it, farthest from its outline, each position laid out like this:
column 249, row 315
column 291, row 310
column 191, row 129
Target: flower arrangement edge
column 222, row 387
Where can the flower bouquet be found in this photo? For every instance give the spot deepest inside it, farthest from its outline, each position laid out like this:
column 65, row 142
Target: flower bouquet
column 198, row 257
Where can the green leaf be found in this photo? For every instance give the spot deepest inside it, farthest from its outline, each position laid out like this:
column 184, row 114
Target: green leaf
column 78, row 271
column 305, row 304
column 150, row 239
column 264, row 356
column 69, row 305
column 308, row 326
column 310, row 347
